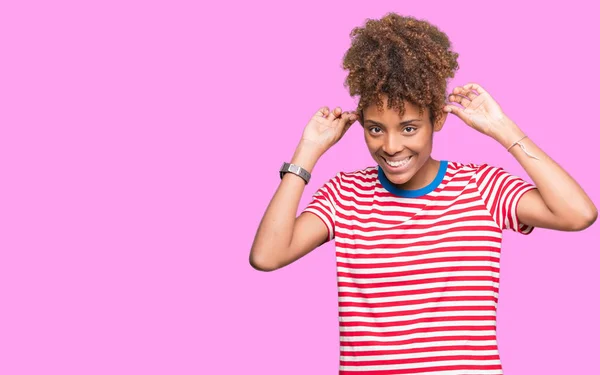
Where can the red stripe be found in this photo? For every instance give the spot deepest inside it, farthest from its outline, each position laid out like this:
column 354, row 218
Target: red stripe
column 417, row 282
column 366, row 353
column 403, row 323
column 417, row 301
column 465, row 229
column 371, row 176
column 341, row 245
column 399, row 293
column 354, row 226
column 421, row 370
column 418, row 330
column 417, row 340
column 375, row 220
column 391, row 314
column 493, row 357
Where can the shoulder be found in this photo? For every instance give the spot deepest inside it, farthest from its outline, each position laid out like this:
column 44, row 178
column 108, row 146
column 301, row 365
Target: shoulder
column 361, row 179
column 476, row 169
column 463, row 171
column 368, row 174
column 465, row 167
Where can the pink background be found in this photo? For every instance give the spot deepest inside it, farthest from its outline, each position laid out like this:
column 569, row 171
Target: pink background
column 139, row 147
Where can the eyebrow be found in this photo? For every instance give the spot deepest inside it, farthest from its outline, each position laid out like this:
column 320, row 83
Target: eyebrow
column 402, row 123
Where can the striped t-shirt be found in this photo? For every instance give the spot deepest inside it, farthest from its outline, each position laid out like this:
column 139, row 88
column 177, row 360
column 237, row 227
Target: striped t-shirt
column 418, row 270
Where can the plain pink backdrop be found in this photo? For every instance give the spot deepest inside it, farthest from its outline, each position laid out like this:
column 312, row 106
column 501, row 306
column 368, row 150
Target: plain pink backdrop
column 139, row 147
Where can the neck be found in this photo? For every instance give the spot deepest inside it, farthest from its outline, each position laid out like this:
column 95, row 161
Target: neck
column 424, row 176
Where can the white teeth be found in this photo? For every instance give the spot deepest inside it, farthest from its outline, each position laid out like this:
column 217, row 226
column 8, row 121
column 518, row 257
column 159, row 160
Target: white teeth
column 399, row 163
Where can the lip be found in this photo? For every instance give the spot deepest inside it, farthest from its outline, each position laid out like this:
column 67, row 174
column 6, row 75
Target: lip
column 397, row 169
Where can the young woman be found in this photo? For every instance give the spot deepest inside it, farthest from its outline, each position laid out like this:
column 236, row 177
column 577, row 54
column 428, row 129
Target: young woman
column 417, row 240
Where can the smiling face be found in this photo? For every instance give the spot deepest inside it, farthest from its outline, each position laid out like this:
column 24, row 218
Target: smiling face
column 402, row 145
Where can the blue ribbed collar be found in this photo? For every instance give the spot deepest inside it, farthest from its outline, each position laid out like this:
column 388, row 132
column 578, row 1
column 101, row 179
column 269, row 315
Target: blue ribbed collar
column 389, row 186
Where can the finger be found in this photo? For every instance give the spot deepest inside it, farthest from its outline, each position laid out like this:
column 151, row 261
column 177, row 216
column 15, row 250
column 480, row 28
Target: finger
column 476, row 87
column 322, row 112
column 357, row 116
column 346, row 128
column 352, row 116
column 342, row 119
column 459, row 112
column 471, row 95
column 459, row 99
column 345, row 119
column 348, row 123
column 465, row 92
column 335, row 113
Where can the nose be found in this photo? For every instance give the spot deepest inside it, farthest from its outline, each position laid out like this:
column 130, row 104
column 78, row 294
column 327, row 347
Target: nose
column 392, row 144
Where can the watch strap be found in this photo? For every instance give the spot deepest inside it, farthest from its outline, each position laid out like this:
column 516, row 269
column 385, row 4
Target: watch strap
column 294, row 169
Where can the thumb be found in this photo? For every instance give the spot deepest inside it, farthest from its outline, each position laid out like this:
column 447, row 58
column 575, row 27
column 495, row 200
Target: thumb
column 346, row 121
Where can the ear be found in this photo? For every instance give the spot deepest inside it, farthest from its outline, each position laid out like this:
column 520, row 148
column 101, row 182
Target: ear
column 360, row 117
column 439, row 124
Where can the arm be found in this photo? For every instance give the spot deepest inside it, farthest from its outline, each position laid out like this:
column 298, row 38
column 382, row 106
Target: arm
column 282, row 238
column 559, row 202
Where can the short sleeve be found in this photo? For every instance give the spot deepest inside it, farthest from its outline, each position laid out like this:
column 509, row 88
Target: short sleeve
column 501, row 192
column 323, row 204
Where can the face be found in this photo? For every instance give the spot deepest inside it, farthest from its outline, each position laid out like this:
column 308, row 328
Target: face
column 402, row 145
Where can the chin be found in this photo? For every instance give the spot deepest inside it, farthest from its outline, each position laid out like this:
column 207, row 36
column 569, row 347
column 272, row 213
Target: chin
column 399, row 179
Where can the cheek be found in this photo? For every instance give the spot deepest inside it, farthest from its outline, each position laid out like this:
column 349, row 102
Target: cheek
column 372, row 145
column 421, row 142
column 374, row 148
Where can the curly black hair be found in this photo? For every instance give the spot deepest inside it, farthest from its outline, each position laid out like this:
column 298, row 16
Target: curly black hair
column 402, row 57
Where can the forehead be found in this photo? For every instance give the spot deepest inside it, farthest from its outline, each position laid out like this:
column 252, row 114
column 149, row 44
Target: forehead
column 392, row 115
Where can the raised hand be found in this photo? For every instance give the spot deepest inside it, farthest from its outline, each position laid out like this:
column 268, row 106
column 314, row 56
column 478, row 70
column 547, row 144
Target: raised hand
column 477, row 109
column 327, row 127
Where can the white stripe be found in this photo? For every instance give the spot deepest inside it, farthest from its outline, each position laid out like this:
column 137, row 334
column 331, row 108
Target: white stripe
column 400, row 240
column 369, row 281
column 474, row 323
column 348, row 289
column 419, row 306
column 440, row 245
column 390, row 212
column 423, row 267
column 475, row 362
column 406, row 318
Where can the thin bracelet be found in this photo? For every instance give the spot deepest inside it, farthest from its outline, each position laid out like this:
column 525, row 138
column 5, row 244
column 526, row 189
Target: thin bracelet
column 514, row 144
column 522, row 148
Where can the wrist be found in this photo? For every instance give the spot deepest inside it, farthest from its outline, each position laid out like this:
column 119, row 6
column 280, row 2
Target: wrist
column 306, row 155
column 508, row 132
